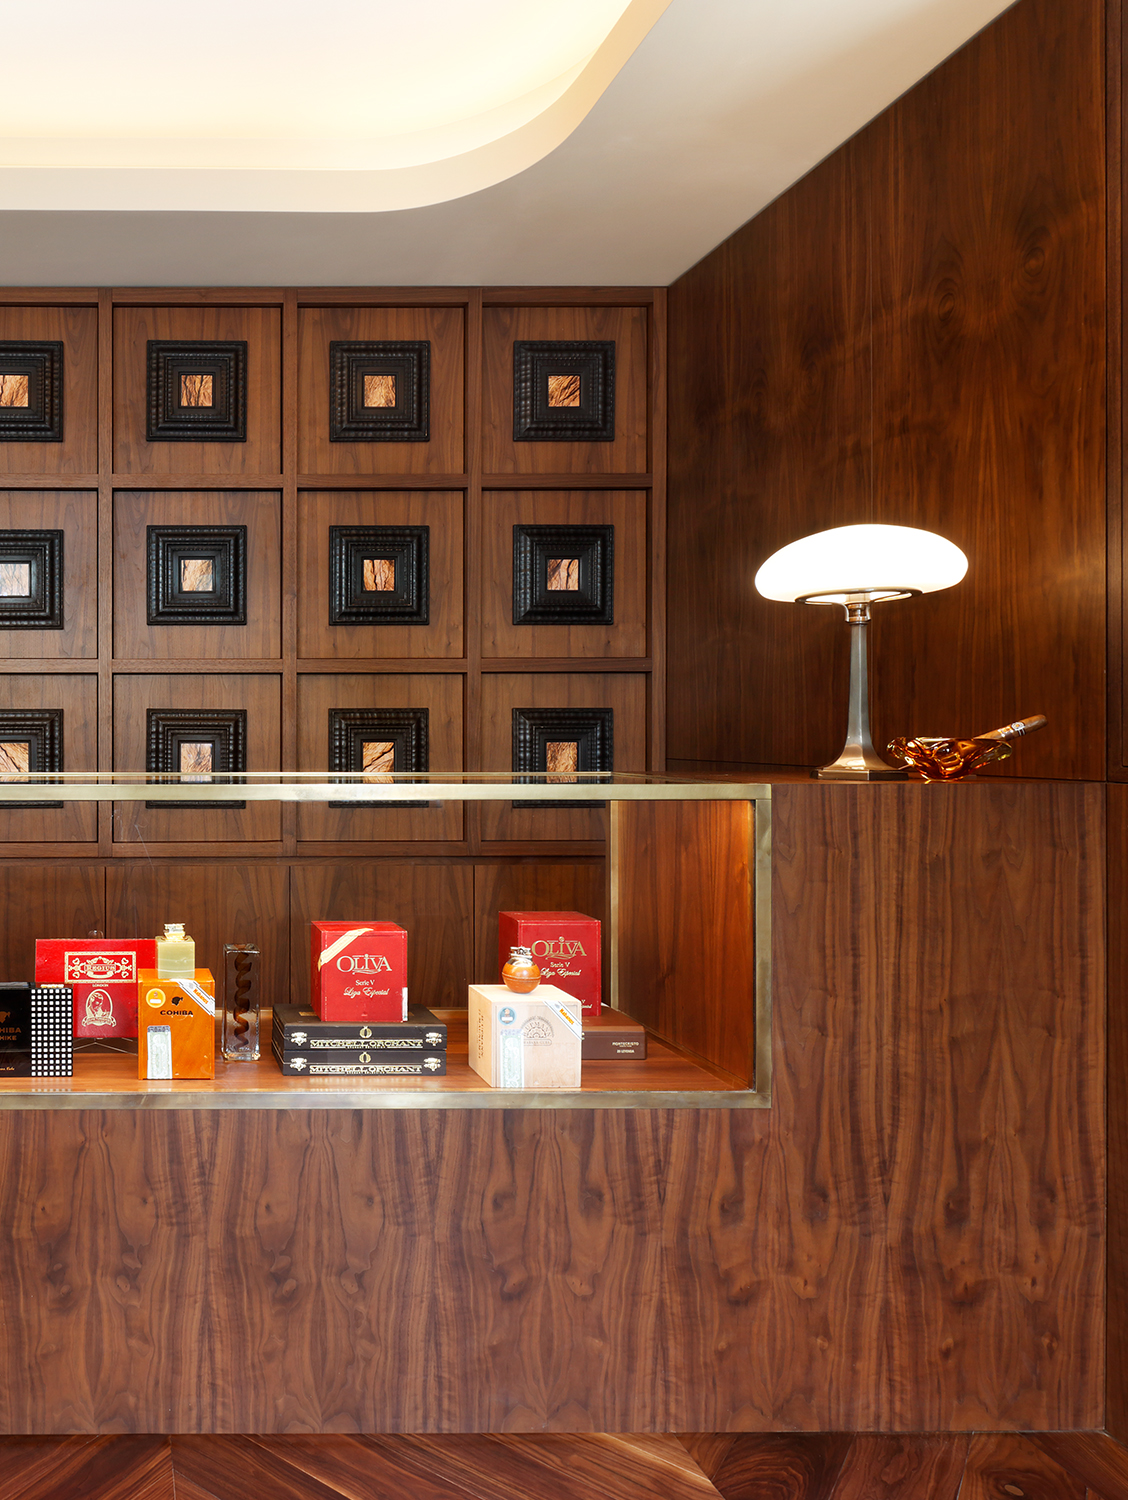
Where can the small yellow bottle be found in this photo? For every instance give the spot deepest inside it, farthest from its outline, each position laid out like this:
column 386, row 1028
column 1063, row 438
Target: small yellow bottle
column 176, row 953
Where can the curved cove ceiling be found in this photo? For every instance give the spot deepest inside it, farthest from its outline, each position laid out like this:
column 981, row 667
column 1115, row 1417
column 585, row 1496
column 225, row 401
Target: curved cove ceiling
column 336, row 105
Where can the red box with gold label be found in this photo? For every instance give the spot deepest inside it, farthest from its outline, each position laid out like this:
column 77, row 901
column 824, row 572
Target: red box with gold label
column 359, row 971
column 103, row 974
column 565, row 948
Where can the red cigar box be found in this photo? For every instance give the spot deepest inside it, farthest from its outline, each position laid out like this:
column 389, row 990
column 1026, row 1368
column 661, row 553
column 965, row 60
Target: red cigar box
column 359, row 971
column 565, row 948
column 103, row 974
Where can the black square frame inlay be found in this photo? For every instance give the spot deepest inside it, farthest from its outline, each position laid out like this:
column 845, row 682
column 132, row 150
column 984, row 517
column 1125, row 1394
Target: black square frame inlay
column 225, row 547
column 405, row 728
column 593, row 603
column 41, row 729
column 224, row 729
column 169, row 419
column 42, row 607
column 41, row 420
column 409, row 420
column 534, row 729
column 593, row 421
column 408, row 547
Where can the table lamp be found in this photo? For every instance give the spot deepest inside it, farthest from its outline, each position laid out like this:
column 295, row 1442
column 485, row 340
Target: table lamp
column 857, row 566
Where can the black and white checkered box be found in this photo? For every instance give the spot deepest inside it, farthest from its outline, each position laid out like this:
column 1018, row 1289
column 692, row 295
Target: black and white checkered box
column 52, row 1031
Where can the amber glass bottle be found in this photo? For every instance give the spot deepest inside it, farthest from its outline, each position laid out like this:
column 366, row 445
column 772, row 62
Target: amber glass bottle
column 520, row 973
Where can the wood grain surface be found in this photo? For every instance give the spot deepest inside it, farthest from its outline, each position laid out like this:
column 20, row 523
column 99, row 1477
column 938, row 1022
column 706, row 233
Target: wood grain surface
column 910, row 1239
column 798, row 1467
column 1000, row 1465
column 686, row 911
column 65, row 899
column 914, row 333
column 1116, row 1416
column 1092, row 1456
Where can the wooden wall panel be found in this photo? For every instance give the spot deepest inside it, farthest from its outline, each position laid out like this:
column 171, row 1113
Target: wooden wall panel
column 434, row 902
column 1116, row 1416
column 623, row 692
column 75, row 514
column 626, row 511
column 218, row 903
column 444, row 327
column 77, row 696
column 258, row 695
column 440, row 694
column 628, row 454
column 261, row 327
column 535, row 887
column 909, row 1240
column 914, row 333
column 46, row 900
column 77, row 327
column 135, row 512
column 442, row 511
column 685, row 900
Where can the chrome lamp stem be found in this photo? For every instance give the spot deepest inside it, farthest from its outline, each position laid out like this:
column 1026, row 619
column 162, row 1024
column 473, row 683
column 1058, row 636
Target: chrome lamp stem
column 858, row 760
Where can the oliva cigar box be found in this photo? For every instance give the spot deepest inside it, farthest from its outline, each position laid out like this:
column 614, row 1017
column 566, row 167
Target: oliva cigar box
column 358, row 971
column 360, row 1064
column 298, row 1030
column 36, row 1031
column 102, row 972
column 525, row 1041
column 611, row 1035
column 176, row 1026
column 565, row 948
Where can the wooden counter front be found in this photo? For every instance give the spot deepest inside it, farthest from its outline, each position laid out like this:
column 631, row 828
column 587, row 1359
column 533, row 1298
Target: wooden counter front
column 910, row 1238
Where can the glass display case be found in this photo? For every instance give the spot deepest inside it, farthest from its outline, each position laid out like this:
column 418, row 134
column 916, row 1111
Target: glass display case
column 686, row 938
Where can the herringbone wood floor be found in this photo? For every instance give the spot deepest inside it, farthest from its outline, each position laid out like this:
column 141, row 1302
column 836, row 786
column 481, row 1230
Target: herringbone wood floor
column 745, row 1466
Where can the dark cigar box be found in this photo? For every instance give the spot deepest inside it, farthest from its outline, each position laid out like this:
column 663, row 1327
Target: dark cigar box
column 613, row 1035
column 300, row 1030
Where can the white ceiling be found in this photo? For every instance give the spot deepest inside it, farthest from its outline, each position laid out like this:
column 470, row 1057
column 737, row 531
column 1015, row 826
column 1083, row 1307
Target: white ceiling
column 723, row 104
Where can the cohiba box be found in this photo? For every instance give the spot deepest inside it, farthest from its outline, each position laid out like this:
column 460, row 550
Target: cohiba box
column 175, row 1026
column 298, row 1030
column 525, row 1041
column 565, row 948
column 36, row 1031
column 359, row 971
column 611, row 1035
column 102, row 973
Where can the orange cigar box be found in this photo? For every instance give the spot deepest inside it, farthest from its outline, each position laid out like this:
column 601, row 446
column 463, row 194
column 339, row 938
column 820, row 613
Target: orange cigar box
column 175, row 1026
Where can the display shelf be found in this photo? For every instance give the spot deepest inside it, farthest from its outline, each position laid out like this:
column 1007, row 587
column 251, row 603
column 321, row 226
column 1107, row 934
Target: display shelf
column 105, row 1077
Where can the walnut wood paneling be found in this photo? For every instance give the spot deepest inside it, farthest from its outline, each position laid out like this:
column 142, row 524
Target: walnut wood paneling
column 1116, row 1418
column 77, row 696
column 440, row 694
column 442, row 511
column 623, row 692
column 998, row 1464
column 434, row 902
column 48, row 900
column 260, row 327
column 258, row 695
column 535, row 887
column 628, row 454
column 914, row 333
column 798, row 1466
column 75, row 513
column 77, row 327
column 444, row 327
column 134, row 512
column 625, row 510
column 685, row 897
column 218, row 903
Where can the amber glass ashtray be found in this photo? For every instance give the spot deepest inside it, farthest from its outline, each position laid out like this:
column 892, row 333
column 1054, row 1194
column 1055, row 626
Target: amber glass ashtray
column 946, row 760
column 936, row 759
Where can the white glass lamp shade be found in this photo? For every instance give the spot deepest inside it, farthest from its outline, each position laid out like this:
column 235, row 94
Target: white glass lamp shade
column 872, row 562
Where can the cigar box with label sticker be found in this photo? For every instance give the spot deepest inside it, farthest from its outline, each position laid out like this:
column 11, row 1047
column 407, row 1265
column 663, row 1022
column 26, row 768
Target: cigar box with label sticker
column 365, row 1064
column 528, row 1041
column 359, row 971
column 102, row 974
column 36, row 1031
column 298, row 1030
column 175, row 1026
column 565, row 948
